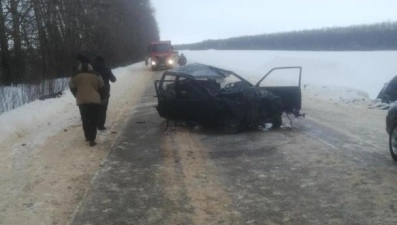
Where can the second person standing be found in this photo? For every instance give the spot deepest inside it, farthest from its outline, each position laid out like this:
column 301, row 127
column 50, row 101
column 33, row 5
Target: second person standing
column 107, row 75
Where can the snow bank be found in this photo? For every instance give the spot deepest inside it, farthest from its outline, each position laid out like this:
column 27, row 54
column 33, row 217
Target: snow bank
column 335, row 93
column 16, row 96
column 48, row 116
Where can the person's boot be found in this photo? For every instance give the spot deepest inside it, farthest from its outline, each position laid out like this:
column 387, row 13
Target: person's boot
column 92, row 143
column 102, row 128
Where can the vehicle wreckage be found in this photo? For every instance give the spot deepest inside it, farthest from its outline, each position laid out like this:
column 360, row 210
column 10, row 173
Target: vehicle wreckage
column 388, row 94
column 391, row 128
column 214, row 97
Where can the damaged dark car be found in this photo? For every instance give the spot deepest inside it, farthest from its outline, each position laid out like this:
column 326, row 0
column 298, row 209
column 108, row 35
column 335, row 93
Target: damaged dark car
column 214, row 97
column 388, row 94
column 391, row 128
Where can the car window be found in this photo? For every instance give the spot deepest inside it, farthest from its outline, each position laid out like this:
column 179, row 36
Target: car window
column 168, row 86
column 281, row 78
column 209, row 85
column 190, row 90
column 228, row 80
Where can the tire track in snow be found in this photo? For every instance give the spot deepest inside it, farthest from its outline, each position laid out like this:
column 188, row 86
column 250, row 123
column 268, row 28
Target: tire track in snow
column 193, row 178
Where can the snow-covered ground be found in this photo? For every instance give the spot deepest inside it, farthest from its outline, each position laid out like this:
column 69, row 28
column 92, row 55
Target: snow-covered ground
column 38, row 114
column 348, row 80
column 18, row 95
column 340, row 72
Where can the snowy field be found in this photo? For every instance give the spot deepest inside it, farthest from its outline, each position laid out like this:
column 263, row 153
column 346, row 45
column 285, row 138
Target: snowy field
column 341, row 74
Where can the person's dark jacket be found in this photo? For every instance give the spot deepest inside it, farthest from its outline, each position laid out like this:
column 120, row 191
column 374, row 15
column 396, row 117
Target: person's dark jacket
column 106, row 74
column 182, row 60
column 80, row 59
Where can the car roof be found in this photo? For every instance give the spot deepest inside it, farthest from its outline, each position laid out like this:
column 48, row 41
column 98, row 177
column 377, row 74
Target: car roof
column 196, row 70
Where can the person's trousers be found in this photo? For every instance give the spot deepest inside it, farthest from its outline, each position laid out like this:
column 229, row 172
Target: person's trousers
column 102, row 113
column 89, row 116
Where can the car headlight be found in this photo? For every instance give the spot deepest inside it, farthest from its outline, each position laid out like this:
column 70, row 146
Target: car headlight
column 153, row 63
column 170, row 61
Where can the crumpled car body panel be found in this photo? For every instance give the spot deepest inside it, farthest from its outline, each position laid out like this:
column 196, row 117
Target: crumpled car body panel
column 388, row 93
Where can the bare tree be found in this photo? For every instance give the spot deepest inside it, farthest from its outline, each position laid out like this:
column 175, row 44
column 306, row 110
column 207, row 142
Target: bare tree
column 5, row 54
column 40, row 38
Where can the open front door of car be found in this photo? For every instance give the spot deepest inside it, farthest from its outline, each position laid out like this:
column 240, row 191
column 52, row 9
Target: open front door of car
column 284, row 82
column 181, row 98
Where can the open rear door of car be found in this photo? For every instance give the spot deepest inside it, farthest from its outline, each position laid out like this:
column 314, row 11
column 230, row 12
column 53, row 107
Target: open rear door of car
column 284, row 82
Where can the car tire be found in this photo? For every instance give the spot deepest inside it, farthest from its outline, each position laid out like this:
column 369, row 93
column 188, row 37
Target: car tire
column 191, row 124
column 393, row 141
column 231, row 124
column 277, row 122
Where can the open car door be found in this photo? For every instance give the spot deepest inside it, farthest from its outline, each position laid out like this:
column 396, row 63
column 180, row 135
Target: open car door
column 284, row 82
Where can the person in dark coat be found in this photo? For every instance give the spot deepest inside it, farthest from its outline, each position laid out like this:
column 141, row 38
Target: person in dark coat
column 80, row 58
column 107, row 75
column 88, row 89
column 182, row 60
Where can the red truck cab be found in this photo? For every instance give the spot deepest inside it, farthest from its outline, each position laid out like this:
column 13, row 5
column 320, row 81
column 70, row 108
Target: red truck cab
column 161, row 55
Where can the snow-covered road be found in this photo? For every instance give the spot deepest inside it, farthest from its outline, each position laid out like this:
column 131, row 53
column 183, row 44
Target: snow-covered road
column 332, row 168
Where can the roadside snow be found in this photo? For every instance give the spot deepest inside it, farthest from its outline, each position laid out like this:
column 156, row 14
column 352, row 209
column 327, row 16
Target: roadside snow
column 335, row 93
column 33, row 116
column 18, row 95
column 51, row 114
column 46, row 166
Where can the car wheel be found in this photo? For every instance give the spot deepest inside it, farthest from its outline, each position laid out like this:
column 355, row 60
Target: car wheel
column 231, row 124
column 191, row 124
column 277, row 122
column 393, row 142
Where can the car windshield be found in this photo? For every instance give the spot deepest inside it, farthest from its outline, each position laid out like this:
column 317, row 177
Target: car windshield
column 229, row 80
column 161, row 48
column 202, row 72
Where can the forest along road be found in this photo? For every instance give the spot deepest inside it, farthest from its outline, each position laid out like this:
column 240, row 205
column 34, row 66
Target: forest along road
column 333, row 167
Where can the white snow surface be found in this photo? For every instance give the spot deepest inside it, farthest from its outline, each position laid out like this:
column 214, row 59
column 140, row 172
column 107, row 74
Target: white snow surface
column 340, row 76
column 345, row 75
column 55, row 114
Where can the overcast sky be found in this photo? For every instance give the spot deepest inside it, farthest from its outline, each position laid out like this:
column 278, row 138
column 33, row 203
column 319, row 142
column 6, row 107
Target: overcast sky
column 187, row 21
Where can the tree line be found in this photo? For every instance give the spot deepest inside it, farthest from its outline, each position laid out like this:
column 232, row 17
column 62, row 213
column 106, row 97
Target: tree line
column 379, row 36
column 39, row 39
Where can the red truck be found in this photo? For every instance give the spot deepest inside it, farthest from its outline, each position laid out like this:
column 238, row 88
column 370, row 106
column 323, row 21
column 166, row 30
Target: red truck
column 161, row 55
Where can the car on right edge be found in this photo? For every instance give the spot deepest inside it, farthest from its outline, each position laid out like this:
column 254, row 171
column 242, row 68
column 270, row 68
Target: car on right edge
column 391, row 128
